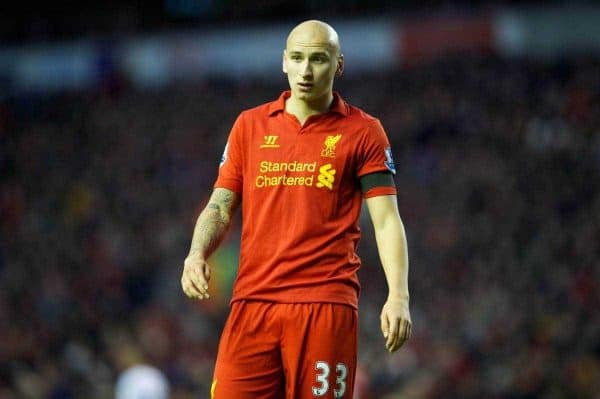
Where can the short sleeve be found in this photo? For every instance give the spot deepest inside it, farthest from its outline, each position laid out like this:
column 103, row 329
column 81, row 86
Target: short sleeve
column 375, row 153
column 230, row 167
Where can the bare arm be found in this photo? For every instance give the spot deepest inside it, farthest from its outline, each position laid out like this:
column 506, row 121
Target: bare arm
column 211, row 226
column 391, row 244
column 213, row 222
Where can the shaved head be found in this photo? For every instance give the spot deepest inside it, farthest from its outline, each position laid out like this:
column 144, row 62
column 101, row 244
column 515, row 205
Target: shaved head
column 314, row 33
column 311, row 60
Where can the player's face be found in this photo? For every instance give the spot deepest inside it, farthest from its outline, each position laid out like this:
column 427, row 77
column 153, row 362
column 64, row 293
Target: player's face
column 311, row 69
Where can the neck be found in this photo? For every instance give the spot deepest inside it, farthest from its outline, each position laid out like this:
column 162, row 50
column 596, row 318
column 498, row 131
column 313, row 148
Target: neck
column 302, row 110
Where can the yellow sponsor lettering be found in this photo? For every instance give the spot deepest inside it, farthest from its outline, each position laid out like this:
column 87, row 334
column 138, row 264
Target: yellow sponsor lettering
column 263, row 166
column 326, row 176
column 295, row 166
column 283, row 180
column 272, row 174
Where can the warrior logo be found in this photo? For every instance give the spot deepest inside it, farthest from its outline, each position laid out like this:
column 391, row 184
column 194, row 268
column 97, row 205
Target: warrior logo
column 270, row 142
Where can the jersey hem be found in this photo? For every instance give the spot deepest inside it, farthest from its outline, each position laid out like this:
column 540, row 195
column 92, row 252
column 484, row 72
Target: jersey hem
column 368, row 171
column 378, row 191
column 228, row 184
column 298, row 298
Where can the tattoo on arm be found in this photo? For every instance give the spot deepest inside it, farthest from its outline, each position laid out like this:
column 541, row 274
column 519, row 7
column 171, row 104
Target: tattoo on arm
column 214, row 221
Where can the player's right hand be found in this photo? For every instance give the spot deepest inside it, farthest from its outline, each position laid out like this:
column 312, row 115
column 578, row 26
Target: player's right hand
column 195, row 277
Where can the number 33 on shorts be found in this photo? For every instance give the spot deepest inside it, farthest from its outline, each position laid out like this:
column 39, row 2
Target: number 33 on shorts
column 323, row 370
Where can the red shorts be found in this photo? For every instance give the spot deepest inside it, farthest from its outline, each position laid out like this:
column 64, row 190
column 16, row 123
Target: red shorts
column 287, row 350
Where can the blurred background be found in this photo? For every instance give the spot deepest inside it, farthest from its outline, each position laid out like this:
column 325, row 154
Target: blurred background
column 113, row 117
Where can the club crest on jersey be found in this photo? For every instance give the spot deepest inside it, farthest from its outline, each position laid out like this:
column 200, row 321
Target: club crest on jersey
column 389, row 160
column 330, row 143
column 270, row 142
column 224, row 156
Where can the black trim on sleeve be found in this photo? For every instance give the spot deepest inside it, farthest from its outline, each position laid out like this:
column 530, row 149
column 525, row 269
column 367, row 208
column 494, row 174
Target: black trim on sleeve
column 376, row 179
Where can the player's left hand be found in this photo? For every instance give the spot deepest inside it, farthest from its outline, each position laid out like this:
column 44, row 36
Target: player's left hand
column 396, row 324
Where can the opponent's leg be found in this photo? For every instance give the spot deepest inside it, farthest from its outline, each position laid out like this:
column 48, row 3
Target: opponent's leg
column 319, row 348
column 248, row 364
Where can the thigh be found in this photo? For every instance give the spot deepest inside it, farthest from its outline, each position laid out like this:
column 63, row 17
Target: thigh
column 248, row 363
column 319, row 345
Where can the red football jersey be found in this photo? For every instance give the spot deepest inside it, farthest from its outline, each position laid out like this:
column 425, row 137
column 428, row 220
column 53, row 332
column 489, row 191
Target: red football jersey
column 301, row 199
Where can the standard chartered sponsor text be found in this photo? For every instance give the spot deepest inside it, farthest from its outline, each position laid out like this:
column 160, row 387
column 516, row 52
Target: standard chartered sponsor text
column 282, row 180
column 264, row 180
column 295, row 166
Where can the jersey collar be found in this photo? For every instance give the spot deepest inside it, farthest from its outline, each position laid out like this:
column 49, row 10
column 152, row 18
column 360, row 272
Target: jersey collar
column 338, row 105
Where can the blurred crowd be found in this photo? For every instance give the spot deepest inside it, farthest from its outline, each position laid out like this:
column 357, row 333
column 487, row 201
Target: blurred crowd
column 68, row 20
column 499, row 189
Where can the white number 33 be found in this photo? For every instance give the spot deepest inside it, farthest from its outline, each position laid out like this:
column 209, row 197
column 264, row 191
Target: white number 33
column 322, row 375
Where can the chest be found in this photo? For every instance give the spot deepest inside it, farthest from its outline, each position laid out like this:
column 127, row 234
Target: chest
column 320, row 158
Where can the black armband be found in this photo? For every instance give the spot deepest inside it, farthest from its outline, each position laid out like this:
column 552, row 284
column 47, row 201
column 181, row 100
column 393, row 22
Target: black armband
column 376, row 179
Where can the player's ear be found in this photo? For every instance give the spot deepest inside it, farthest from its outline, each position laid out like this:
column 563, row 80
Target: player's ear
column 340, row 66
column 283, row 67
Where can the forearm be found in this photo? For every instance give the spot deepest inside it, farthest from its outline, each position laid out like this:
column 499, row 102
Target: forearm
column 213, row 223
column 209, row 231
column 393, row 252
